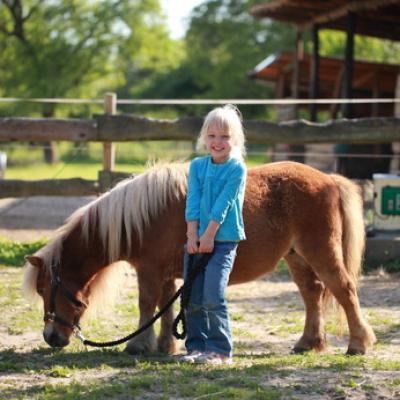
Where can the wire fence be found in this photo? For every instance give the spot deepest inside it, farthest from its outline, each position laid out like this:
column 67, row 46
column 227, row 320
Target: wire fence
column 203, row 101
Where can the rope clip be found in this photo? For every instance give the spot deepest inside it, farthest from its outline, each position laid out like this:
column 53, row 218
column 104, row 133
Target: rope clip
column 79, row 335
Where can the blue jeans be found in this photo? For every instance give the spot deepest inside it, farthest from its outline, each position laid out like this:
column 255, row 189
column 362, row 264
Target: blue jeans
column 207, row 319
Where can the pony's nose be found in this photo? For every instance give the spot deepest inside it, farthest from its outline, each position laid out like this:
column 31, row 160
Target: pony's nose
column 55, row 339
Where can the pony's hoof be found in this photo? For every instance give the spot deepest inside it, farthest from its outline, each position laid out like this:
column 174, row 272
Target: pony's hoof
column 355, row 352
column 167, row 346
column 304, row 345
column 133, row 348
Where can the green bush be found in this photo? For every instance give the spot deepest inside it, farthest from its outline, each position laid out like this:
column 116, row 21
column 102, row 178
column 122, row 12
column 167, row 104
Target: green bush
column 13, row 253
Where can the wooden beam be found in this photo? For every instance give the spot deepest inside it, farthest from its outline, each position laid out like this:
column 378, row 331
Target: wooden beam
column 375, row 94
column 363, row 130
column 296, row 68
column 350, row 6
column 259, row 9
column 314, row 72
column 110, row 108
column 45, row 129
column 122, row 128
column 336, row 92
column 48, row 187
column 128, row 128
column 347, row 92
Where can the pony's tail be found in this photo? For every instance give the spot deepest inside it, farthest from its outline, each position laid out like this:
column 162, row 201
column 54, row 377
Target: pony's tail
column 353, row 237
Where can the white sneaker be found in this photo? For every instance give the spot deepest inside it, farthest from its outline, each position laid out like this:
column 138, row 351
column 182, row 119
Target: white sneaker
column 213, row 358
column 190, row 357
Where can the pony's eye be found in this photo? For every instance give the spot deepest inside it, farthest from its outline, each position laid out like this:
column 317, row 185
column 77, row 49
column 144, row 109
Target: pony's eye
column 40, row 291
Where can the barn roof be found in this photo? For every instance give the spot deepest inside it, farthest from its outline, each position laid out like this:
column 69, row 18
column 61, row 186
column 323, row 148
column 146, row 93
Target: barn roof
column 367, row 75
column 378, row 18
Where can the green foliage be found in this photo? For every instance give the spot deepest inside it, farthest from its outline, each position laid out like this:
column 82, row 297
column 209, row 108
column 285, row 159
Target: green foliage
column 333, row 43
column 85, row 48
column 13, row 253
column 77, row 49
column 222, row 44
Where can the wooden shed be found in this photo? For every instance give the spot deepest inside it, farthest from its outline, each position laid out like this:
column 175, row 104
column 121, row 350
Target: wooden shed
column 377, row 18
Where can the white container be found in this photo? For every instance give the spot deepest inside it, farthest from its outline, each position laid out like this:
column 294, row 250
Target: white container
column 3, row 164
column 386, row 202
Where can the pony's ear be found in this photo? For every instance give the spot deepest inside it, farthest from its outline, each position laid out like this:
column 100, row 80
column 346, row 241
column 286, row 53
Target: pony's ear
column 35, row 261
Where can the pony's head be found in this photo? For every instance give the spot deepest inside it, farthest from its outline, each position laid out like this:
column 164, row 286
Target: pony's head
column 64, row 301
column 69, row 275
column 71, row 287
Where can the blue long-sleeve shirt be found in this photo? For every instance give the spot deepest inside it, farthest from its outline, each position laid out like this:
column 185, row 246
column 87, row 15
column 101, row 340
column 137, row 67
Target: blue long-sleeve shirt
column 216, row 192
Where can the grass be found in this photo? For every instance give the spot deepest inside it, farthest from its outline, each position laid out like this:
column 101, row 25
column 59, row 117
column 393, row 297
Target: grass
column 66, row 171
column 88, row 171
column 271, row 372
column 84, row 161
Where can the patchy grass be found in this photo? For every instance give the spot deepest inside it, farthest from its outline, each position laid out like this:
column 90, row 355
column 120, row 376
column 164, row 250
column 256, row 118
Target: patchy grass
column 267, row 318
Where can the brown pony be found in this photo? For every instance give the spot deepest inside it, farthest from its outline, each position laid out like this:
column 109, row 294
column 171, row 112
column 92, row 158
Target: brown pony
column 313, row 220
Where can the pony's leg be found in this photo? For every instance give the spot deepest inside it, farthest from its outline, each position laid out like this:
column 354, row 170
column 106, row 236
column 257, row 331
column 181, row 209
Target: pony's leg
column 149, row 294
column 312, row 290
column 166, row 342
column 328, row 265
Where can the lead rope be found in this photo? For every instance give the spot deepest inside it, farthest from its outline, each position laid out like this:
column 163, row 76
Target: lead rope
column 184, row 291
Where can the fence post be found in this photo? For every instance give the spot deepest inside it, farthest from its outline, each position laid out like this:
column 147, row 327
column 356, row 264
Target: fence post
column 110, row 108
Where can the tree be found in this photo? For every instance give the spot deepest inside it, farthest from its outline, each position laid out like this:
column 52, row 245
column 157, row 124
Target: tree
column 222, row 44
column 63, row 48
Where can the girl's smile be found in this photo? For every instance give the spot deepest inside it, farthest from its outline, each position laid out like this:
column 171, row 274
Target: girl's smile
column 219, row 145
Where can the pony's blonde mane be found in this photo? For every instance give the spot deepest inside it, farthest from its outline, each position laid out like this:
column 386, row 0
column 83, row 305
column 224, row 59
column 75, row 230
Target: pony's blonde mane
column 128, row 207
column 132, row 204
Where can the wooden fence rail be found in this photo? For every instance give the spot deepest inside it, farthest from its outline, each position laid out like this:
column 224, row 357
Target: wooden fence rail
column 48, row 187
column 110, row 127
column 120, row 128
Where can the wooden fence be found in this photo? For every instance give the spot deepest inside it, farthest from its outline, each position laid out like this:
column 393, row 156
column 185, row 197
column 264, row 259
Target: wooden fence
column 112, row 127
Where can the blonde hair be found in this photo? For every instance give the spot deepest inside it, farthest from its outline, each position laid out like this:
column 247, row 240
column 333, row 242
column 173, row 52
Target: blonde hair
column 226, row 118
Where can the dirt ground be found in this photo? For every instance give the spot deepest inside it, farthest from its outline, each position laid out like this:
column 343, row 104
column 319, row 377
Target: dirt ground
column 35, row 218
column 32, row 218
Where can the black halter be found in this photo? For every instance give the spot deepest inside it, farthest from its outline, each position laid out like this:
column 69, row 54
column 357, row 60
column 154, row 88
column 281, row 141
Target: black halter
column 51, row 315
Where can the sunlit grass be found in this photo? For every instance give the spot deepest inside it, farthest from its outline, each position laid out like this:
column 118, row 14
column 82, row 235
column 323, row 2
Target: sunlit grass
column 86, row 170
column 77, row 372
column 65, row 171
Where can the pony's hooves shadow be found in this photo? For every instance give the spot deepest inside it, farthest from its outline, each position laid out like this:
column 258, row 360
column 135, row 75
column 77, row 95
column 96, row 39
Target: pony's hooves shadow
column 300, row 350
column 139, row 350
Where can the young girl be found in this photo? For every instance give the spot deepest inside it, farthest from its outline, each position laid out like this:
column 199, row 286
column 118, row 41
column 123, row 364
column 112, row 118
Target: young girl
column 214, row 225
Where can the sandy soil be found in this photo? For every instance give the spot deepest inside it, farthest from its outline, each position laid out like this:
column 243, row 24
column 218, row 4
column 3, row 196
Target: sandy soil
column 32, row 218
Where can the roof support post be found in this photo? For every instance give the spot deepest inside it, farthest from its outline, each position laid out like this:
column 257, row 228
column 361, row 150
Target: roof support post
column 296, row 92
column 298, row 54
column 347, row 92
column 314, row 72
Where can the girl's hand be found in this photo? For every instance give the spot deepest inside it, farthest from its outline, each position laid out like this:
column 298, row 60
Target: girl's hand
column 206, row 243
column 207, row 239
column 192, row 246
